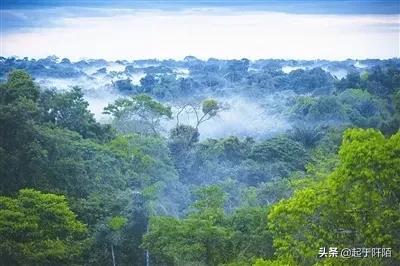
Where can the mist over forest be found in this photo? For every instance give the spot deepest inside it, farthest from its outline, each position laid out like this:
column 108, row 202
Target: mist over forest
column 199, row 133
column 198, row 162
column 258, row 95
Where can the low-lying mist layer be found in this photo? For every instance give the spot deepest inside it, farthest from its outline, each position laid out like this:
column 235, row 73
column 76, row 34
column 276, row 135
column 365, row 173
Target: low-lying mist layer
column 259, row 94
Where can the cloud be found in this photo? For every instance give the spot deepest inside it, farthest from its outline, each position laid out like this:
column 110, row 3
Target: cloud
column 221, row 33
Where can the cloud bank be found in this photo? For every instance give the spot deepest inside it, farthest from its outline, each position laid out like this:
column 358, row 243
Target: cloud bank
column 221, row 33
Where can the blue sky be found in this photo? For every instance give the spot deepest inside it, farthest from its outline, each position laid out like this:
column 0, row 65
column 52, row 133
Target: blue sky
column 223, row 29
column 291, row 6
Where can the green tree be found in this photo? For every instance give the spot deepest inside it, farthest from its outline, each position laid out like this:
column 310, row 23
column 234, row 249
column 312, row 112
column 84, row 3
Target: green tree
column 393, row 125
column 209, row 204
column 148, row 83
column 251, row 238
column 181, row 135
column 19, row 85
column 201, row 237
column 208, row 109
column 70, row 110
column 39, row 228
column 355, row 206
column 138, row 114
column 19, row 150
column 115, row 225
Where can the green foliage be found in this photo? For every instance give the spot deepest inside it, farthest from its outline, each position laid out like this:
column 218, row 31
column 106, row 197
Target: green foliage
column 210, row 107
column 148, row 83
column 78, row 167
column 18, row 113
column 124, row 85
column 124, row 147
column 327, row 108
column 379, row 81
column 209, row 202
column 314, row 108
column 393, row 125
column 231, row 148
column 308, row 136
column 280, row 262
column 363, row 109
column 383, row 82
column 291, row 153
column 139, row 113
column 353, row 80
column 303, row 105
column 39, row 228
column 246, row 160
column 315, row 80
column 237, row 69
column 147, row 155
column 199, row 237
column 140, row 103
column 356, row 107
column 117, row 222
column 70, row 110
column 42, row 147
column 182, row 139
column 208, row 235
column 268, row 193
column 396, row 101
column 278, row 149
column 251, row 238
column 184, row 134
column 356, row 205
column 44, row 156
column 19, row 85
column 189, row 240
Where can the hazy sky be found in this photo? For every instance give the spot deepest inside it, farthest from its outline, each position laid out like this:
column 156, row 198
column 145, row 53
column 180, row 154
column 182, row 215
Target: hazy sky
column 222, row 32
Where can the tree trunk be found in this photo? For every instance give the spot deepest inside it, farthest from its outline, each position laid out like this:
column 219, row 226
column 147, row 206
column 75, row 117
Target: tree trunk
column 147, row 251
column 112, row 254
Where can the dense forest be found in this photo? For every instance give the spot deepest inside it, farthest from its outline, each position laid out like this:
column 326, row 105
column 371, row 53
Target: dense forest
column 306, row 156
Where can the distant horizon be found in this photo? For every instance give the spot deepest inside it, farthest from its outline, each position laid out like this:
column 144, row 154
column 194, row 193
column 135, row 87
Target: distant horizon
column 202, row 59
